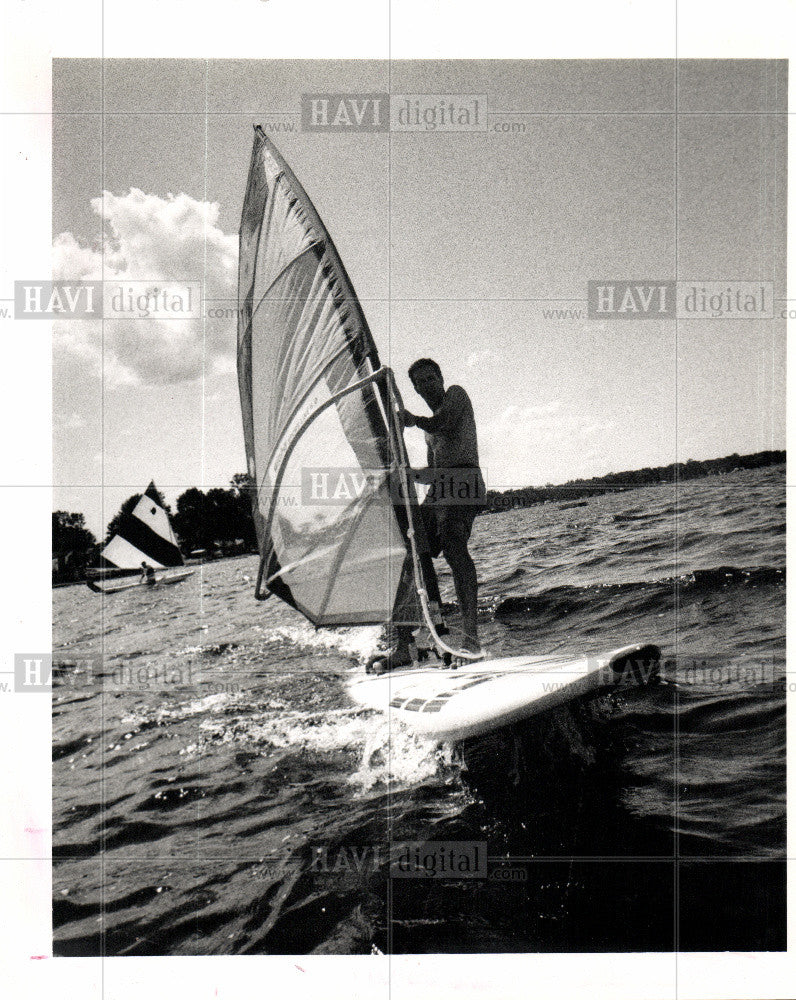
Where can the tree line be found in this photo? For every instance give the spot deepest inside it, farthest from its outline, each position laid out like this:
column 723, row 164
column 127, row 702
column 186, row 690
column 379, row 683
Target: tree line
column 661, row 475
column 220, row 522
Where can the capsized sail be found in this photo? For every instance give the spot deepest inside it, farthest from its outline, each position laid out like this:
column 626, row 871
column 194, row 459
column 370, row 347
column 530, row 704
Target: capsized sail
column 144, row 535
column 318, row 417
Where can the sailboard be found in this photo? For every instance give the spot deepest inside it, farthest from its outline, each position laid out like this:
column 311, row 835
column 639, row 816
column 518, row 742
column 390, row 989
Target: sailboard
column 480, row 697
column 144, row 535
column 333, row 502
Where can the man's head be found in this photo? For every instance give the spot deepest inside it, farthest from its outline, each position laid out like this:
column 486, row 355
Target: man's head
column 427, row 380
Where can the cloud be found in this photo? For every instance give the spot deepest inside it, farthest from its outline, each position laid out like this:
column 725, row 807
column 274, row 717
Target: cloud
column 542, row 411
column 539, row 417
column 599, row 427
column 155, row 240
column 481, row 357
column 541, row 442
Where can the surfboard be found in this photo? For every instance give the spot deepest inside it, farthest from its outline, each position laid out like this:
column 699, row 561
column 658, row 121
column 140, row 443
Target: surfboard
column 454, row 704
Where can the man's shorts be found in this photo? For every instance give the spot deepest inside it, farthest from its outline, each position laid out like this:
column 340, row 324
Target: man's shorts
column 444, row 519
column 447, row 522
column 440, row 521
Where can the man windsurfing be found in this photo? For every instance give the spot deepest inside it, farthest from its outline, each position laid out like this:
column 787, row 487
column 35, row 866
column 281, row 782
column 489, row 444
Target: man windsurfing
column 456, row 495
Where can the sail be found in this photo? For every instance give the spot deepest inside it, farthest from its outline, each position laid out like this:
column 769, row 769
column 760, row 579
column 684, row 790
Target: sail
column 316, row 403
column 144, row 535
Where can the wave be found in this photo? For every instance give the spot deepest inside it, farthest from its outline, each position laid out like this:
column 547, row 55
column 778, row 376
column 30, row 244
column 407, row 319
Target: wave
column 635, row 515
column 700, row 581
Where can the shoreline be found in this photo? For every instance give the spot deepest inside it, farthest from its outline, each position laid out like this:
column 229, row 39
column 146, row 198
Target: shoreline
column 191, row 563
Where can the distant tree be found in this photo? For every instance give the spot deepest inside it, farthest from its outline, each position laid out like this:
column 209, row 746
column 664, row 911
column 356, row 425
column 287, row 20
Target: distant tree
column 695, row 470
column 242, row 482
column 73, row 545
column 192, row 520
column 244, row 488
column 70, row 533
column 633, row 478
column 223, row 509
column 218, row 518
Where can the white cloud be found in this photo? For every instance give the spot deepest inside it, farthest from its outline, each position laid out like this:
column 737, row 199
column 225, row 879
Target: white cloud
column 156, row 240
column 542, row 411
column 481, row 357
column 534, row 444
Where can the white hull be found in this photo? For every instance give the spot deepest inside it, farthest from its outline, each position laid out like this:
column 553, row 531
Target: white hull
column 161, row 580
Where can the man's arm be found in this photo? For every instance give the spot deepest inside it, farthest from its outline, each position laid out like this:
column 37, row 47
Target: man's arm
column 446, row 417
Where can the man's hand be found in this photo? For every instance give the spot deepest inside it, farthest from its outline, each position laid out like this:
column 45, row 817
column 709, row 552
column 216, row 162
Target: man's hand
column 407, row 419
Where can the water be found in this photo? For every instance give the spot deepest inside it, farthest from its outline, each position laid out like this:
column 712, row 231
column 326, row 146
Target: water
column 198, row 769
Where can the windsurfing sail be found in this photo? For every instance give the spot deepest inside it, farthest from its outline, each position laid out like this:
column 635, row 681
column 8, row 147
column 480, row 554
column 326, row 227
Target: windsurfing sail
column 144, row 535
column 334, row 530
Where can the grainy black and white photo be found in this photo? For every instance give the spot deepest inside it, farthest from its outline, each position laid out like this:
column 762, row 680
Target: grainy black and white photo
column 418, row 530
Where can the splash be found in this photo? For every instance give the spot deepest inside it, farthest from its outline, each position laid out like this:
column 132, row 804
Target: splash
column 356, row 641
column 322, row 732
column 389, row 755
column 212, row 703
column 393, row 756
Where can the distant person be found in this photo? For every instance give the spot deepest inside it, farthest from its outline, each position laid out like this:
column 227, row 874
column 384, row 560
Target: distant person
column 456, row 495
column 148, row 574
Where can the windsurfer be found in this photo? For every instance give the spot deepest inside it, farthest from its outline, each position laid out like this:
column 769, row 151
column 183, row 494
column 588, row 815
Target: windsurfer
column 456, row 495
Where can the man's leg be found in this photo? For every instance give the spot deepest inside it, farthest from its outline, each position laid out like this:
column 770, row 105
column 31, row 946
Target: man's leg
column 455, row 535
column 398, row 635
column 395, row 642
column 397, row 638
column 432, row 547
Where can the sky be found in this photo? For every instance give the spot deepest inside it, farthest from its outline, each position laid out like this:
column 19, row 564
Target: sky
column 461, row 246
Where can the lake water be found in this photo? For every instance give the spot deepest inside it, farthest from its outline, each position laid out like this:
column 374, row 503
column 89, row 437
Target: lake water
column 216, row 792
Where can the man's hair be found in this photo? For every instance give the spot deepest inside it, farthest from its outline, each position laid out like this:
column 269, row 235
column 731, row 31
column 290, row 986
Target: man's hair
column 424, row 363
